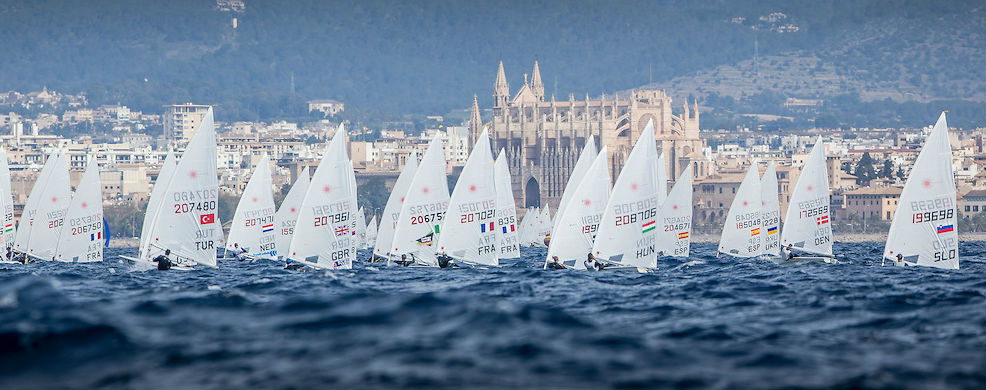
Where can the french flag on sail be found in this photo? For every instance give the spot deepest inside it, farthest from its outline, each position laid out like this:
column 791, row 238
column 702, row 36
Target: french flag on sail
column 505, row 228
column 945, row 228
column 96, row 236
column 486, row 227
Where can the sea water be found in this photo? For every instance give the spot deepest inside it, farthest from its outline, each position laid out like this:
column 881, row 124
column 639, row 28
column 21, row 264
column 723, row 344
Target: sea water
column 701, row 322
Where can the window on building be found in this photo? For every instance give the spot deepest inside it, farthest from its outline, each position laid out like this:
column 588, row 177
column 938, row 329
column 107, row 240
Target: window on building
column 967, row 208
column 888, row 215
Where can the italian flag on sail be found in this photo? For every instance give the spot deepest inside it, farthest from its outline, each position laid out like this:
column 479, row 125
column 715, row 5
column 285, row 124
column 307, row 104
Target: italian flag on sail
column 649, row 226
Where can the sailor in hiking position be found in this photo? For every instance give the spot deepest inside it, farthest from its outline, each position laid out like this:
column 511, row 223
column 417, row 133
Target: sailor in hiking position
column 163, row 261
column 556, row 264
column 238, row 252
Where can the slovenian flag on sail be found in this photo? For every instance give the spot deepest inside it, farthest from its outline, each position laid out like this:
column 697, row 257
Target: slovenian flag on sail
column 772, row 230
column 268, row 228
column 486, row 227
column 754, row 232
column 945, row 228
column 649, row 226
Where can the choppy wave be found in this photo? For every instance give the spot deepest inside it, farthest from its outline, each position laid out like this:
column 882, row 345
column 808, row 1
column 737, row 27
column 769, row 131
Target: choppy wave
column 702, row 322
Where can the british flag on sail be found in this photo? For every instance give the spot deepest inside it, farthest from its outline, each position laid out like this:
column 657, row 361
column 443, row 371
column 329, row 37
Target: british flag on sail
column 341, row 231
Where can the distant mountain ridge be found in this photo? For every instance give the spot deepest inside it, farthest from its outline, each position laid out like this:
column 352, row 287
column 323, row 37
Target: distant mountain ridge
column 431, row 57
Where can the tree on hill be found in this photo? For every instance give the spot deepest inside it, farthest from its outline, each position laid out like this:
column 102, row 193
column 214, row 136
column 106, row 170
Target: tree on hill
column 864, row 169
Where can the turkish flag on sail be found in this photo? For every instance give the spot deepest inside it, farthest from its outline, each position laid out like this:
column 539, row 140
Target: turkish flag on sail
column 207, row 219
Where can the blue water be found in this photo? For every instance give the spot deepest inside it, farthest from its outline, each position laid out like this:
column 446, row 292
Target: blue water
column 697, row 323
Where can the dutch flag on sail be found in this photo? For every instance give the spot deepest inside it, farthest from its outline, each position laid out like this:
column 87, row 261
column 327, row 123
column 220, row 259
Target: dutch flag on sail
column 268, row 228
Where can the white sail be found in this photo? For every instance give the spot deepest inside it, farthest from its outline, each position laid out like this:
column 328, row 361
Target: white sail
column 31, row 206
column 585, row 160
column 469, row 229
column 924, row 230
column 572, row 240
column 81, row 237
column 742, row 235
column 322, row 235
column 392, row 211
column 425, row 203
column 524, row 229
column 353, row 207
column 662, row 179
column 628, row 231
column 287, row 215
column 545, row 223
column 186, row 220
column 360, row 229
column 806, row 224
column 155, row 201
column 53, row 198
column 674, row 236
column 7, row 232
column 253, row 222
column 371, row 232
column 508, row 237
column 770, row 213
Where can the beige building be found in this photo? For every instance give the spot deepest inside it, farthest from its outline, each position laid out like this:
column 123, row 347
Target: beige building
column 543, row 137
column 181, row 120
column 870, row 203
column 326, row 106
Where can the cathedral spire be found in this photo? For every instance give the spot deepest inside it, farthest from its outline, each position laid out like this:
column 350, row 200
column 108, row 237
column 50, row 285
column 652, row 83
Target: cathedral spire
column 501, row 90
column 536, row 85
column 475, row 121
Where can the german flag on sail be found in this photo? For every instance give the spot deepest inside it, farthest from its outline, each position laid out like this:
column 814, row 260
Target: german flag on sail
column 754, row 232
column 682, row 235
column 772, row 230
column 649, row 226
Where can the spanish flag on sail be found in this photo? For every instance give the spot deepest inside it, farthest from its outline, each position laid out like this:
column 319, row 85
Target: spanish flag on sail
column 754, row 232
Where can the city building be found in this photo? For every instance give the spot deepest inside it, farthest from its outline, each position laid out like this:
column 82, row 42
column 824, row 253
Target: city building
column 327, row 107
column 181, row 120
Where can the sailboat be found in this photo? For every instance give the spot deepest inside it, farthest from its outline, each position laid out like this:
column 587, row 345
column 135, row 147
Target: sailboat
column 770, row 213
column 742, row 233
column 392, row 211
column 360, row 229
column 185, row 218
column 508, row 238
column 468, row 231
column 577, row 228
column 371, row 232
column 81, row 236
column 322, row 235
column 44, row 212
column 287, row 215
column 585, row 160
column 253, row 221
column 924, row 230
column 7, row 232
column 627, row 234
column 806, row 223
column 544, row 233
column 674, row 236
column 528, row 226
column 154, row 202
column 424, row 207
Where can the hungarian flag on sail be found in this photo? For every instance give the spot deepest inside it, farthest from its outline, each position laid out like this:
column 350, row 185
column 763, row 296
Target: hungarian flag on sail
column 682, row 235
column 267, row 228
column 485, row 227
column 9, row 228
column 945, row 229
column 648, row 226
column 822, row 220
column 754, row 232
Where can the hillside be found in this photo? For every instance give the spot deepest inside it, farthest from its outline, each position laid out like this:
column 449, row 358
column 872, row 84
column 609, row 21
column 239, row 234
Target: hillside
column 431, row 57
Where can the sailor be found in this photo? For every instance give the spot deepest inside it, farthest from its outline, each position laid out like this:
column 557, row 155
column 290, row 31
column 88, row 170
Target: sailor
column 10, row 254
column 596, row 263
column 590, row 262
column 900, row 260
column 239, row 253
column 292, row 265
column 404, row 261
column 790, row 252
column 556, row 264
column 445, row 261
column 547, row 241
column 163, row 261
